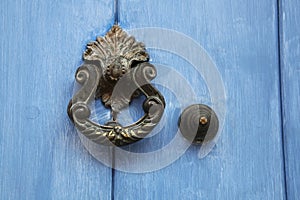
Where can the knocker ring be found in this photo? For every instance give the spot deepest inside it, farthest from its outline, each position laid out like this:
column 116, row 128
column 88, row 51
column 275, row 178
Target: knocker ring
column 115, row 70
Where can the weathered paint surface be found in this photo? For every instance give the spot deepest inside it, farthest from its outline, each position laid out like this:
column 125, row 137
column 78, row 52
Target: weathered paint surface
column 256, row 48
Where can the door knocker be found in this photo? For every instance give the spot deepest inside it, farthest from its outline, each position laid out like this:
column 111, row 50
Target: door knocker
column 115, row 70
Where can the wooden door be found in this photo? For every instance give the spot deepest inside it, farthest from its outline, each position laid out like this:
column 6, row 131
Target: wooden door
column 255, row 46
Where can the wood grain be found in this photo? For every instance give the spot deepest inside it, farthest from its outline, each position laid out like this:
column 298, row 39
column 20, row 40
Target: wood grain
column 41, row 156
column 247, row 163
column 41, row 47
column 290, row 84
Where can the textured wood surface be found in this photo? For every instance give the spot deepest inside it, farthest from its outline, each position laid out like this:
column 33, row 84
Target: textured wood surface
column 290, row 80
column 41, row 156
column 241, row 36
column 41, row 47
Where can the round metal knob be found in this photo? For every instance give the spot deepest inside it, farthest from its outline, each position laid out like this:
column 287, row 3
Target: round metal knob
column 198, row 123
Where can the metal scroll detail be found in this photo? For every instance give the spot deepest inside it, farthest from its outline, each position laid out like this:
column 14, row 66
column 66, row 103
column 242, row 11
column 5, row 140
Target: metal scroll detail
column 115, row 69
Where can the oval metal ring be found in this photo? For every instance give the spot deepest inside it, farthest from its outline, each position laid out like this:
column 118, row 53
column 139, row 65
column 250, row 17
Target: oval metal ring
column 116, row 70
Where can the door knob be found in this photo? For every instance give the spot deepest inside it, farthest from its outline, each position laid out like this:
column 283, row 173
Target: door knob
column 115, row 70
column 198, row 123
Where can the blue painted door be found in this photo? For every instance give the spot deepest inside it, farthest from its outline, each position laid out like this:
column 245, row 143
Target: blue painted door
column 255, row 46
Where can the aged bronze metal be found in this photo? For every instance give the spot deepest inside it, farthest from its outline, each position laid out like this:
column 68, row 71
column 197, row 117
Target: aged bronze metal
column 115, row 70
column 198, row 123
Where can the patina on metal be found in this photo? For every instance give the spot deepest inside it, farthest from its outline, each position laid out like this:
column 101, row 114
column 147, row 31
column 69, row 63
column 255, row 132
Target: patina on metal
column 115, row 70
column 198, row 123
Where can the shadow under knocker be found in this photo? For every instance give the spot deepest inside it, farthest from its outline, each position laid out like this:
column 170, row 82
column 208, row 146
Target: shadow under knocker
column 115, row 69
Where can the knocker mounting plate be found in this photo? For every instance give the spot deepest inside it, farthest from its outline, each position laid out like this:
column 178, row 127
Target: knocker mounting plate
column 115, row 70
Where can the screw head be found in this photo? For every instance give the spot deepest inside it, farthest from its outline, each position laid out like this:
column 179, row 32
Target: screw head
column 203, row 120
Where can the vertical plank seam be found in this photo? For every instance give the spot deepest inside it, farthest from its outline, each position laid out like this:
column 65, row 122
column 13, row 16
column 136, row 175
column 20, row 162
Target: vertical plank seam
column 116, row 21
column 113, row 174
column 279, row 39
column 116, row 11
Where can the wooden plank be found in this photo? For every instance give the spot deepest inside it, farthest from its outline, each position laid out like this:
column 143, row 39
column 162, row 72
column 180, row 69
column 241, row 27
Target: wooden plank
column 290, row 84
column 41, row 47
column 247, row 163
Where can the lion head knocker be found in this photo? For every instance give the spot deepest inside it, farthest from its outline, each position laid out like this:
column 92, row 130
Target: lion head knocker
column 115, row 69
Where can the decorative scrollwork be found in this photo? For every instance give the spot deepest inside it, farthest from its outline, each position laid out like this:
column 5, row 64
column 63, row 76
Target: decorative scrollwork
column 115, row 69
